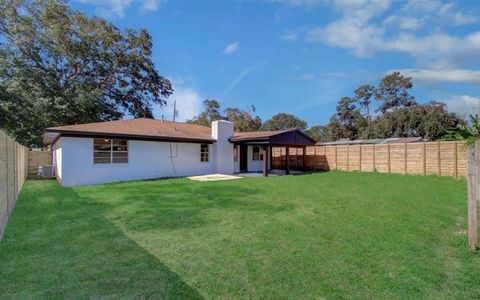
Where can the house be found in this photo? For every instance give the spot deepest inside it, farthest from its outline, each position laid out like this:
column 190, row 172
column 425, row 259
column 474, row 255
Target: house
column 144, row 148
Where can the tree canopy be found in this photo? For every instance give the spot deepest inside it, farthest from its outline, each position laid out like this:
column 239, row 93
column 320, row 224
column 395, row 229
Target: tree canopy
column 243, row 120
column 59, row 67
column 398, row 114
column 283, row 121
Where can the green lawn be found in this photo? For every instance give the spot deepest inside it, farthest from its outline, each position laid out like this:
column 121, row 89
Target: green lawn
column 329, row 235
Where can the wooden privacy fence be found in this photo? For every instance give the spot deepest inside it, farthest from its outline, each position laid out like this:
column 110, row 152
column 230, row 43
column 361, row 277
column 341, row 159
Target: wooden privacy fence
column 430, row 158
column 36, row 158
column 13, row 172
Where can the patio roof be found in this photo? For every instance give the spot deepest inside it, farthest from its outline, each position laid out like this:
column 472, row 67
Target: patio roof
column 292, row 137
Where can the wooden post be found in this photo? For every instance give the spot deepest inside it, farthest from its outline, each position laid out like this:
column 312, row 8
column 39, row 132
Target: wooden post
column 374, row 159
column 287, row 161
column 405, row 157
column 360, row 159
column 336, row 166
column 455, row 158
column 389, row 162
column 304, row 154
column 314, row 157
column 265, row 161
column 424, row 159
column 472, row 173
column 439, row 158
column 348, row 158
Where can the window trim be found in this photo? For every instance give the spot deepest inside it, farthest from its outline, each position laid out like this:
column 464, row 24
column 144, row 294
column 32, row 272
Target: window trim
column 260, row 153
column 111, row 152
column 204, row 153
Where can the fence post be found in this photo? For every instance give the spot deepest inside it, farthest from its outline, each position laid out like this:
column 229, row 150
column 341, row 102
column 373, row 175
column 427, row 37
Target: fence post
column 389, row 160
column 374, row 158
column 424, row 159
column 405, row 157
column 348, row 158
column 472, row 174
column 455, row 163
column 336, row 166
column 360, row 159
column 439, row 159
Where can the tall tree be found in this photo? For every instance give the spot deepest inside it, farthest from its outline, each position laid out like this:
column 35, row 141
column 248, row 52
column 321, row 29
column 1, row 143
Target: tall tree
column 210, row 113
column 59, row 66
column 363, row 96
column 350, row 117
column 243, row 120
column 394, row 92
column 469, row 133
column 283, row 121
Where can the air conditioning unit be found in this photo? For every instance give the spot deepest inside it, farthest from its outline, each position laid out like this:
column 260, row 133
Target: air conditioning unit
column 46, row 171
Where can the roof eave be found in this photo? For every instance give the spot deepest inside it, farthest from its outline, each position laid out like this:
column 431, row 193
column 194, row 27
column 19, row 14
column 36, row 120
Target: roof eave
column 74, row 133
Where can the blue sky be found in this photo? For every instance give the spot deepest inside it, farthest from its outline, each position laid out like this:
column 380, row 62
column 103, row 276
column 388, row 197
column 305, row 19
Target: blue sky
column 301, row 56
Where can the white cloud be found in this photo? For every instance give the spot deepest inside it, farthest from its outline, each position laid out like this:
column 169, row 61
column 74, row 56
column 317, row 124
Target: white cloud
column 361, row 29
column 460, row 18
column 349, row 34
column 116, row 8
column 189, row 102
column 289, row 36
column 243, row 75
column 442, row 75
column 307, row 76
column 231, row 48
column 463, row 104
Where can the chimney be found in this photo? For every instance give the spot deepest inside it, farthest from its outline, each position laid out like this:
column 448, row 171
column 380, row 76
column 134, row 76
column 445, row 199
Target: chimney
column 222, row 130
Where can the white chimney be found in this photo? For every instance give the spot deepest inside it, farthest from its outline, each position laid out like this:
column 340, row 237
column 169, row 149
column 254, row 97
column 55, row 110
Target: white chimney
column 222, row 131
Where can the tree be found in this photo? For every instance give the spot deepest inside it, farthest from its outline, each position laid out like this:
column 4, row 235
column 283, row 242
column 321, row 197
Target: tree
column 283, row 121
column 471, row 133
column 350, row 117
column 431, row 121
column 394, row 93
column 59, row 67
column 363, row 95
column 210, row 113
column 243, row 120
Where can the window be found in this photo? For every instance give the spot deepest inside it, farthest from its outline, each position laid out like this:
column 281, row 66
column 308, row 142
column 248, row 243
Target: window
column 257, row 153
column 204, row 152
column 109, row 151
column 235, row 153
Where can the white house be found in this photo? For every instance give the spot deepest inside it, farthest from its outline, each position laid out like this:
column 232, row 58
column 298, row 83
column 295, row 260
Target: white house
column 144, row 148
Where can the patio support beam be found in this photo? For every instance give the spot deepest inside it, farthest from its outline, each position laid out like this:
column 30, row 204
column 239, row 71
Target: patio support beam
column 266, row 157
column 287, row 161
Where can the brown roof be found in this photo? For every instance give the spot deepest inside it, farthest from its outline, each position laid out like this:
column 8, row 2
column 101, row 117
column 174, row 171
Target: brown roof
column 141, row 128
column 238, row 136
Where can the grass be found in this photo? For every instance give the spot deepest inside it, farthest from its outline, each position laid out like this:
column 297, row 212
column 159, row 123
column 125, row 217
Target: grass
column 330, row 235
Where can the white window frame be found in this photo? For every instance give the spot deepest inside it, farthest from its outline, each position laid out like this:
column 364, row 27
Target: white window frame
column 111, row 151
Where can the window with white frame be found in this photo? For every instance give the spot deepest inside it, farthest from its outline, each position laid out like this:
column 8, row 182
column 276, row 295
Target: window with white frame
column 204, row 152
column 257, row 153
column 110, row 151
column 235, row 153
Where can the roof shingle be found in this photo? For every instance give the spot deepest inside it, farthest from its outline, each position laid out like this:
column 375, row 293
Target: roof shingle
column 141, row 127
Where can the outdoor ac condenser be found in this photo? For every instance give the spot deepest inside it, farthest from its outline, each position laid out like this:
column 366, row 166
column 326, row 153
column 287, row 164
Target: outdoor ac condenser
column 46, row 171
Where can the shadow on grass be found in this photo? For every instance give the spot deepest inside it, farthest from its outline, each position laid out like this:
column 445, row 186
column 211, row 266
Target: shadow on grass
column 60, row 245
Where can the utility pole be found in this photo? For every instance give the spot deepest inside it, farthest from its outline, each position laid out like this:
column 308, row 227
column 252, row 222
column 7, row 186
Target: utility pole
column 174, row 109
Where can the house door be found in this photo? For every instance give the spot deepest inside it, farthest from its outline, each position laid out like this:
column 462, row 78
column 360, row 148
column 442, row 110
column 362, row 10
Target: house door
column 243, row 158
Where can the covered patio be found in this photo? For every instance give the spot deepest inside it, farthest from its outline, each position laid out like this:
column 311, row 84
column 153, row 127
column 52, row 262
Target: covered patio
column 254, row 147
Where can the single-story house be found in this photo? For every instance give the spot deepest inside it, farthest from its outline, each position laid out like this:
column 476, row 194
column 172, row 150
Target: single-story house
column 144, row 148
